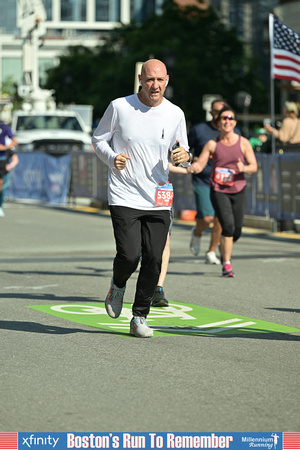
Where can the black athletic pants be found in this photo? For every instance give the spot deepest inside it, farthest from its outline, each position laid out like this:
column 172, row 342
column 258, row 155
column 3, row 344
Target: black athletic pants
column 139, row 233
column 230, row 210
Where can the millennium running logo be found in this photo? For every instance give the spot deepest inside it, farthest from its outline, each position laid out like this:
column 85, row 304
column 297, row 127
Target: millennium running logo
column 264, row 442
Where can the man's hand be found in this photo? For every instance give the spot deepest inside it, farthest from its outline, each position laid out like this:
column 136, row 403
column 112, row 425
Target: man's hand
column 121, row 161
column 180, row 155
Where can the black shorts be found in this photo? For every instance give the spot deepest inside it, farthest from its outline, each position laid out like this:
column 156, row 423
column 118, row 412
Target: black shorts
column 230, row 210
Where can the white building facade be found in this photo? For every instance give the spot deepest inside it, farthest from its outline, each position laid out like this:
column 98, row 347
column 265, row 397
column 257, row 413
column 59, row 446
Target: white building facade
column 68, row 23
column 88, row 22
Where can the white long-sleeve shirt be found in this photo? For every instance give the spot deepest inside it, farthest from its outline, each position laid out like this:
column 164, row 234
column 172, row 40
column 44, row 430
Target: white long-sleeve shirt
column 145, row 134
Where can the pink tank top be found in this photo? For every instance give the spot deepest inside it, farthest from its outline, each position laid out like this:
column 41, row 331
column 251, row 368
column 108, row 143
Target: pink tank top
column 221, row 179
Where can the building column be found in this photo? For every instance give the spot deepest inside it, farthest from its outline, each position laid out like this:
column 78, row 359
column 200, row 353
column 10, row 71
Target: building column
column 90, row 10
column 125, row 12
column 56, row 11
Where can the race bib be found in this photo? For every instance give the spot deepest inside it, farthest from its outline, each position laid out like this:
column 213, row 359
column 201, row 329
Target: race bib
column 164, row 195
column 224, row 176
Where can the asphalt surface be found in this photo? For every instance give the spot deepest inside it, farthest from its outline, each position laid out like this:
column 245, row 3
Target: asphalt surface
column 62, row 376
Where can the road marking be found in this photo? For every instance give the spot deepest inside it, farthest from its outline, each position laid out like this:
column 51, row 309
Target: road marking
column 45, row 286
column 240, row 325
column 193, row 330
column 272, row 260
column 177, row 319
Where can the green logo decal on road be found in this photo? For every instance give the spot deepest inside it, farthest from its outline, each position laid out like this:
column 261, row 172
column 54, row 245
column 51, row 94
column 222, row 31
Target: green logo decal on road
column 177, row 319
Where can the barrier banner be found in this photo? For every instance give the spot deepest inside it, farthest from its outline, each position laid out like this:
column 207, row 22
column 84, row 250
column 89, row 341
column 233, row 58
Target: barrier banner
column 102, row 176
column 273, row 186
column 290, row 186
column 164, row 441
column 88, row 177
column 274, row 191
column 260, row 186
column 250, row 201
column 184, row 197
column 83, row 178
column 39, row 176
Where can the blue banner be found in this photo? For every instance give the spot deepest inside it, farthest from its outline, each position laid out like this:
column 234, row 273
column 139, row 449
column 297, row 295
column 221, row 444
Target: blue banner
column 274, row 191
column 163, row 441
column 40, row 177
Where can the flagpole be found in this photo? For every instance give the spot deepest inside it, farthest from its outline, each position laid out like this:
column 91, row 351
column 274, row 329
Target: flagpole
column 272, row 89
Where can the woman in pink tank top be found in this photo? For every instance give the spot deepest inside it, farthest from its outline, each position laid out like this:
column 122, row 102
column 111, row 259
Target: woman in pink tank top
column 232, row 156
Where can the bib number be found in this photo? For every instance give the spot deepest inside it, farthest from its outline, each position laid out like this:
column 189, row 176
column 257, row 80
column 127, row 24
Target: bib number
column 224, row 176
column 164, row 195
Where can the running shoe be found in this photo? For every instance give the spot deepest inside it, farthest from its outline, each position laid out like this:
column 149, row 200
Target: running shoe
column 2, row 212
column 195, row 243
column 211, row 258
column 159, row 299
column 114, row 300
column 139, row 327
column 227, row 271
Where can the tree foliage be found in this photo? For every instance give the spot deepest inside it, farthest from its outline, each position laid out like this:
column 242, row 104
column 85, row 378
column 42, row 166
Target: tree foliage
column 202, row 56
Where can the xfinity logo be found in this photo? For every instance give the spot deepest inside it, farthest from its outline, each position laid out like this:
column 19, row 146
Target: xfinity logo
column 32, row 440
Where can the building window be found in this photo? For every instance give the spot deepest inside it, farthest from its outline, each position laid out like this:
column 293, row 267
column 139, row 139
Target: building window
column 140, row 9
column 48, row 7
column 8, row 17
column 107, row 10
column 73, row 10
column 12, row 66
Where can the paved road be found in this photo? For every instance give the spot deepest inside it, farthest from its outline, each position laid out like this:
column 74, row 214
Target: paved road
column 59, row 375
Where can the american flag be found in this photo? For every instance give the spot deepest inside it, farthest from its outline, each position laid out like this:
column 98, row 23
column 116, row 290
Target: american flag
column 285, row 51
column 8, row 441
column 291, row 441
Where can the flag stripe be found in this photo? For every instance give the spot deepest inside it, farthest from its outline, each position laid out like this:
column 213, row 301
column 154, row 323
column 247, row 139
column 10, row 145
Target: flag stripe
column 282, row 77
column 286, row 61
column 276, row 66
column 286, row 56
column 286, row 74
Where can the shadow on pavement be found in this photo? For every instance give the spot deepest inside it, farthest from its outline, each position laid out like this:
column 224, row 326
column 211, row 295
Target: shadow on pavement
column 50, row 297
column 94, row 272
column 292, row 310
column 33, row 327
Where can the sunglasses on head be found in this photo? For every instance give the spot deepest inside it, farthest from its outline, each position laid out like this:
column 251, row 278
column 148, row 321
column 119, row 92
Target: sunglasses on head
column 227, row 117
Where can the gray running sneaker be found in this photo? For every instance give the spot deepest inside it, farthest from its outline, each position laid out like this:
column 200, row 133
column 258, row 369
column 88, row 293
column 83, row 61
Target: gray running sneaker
column 195, row 243
column 139, row 327
column 114, row 300
column 159, row 299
